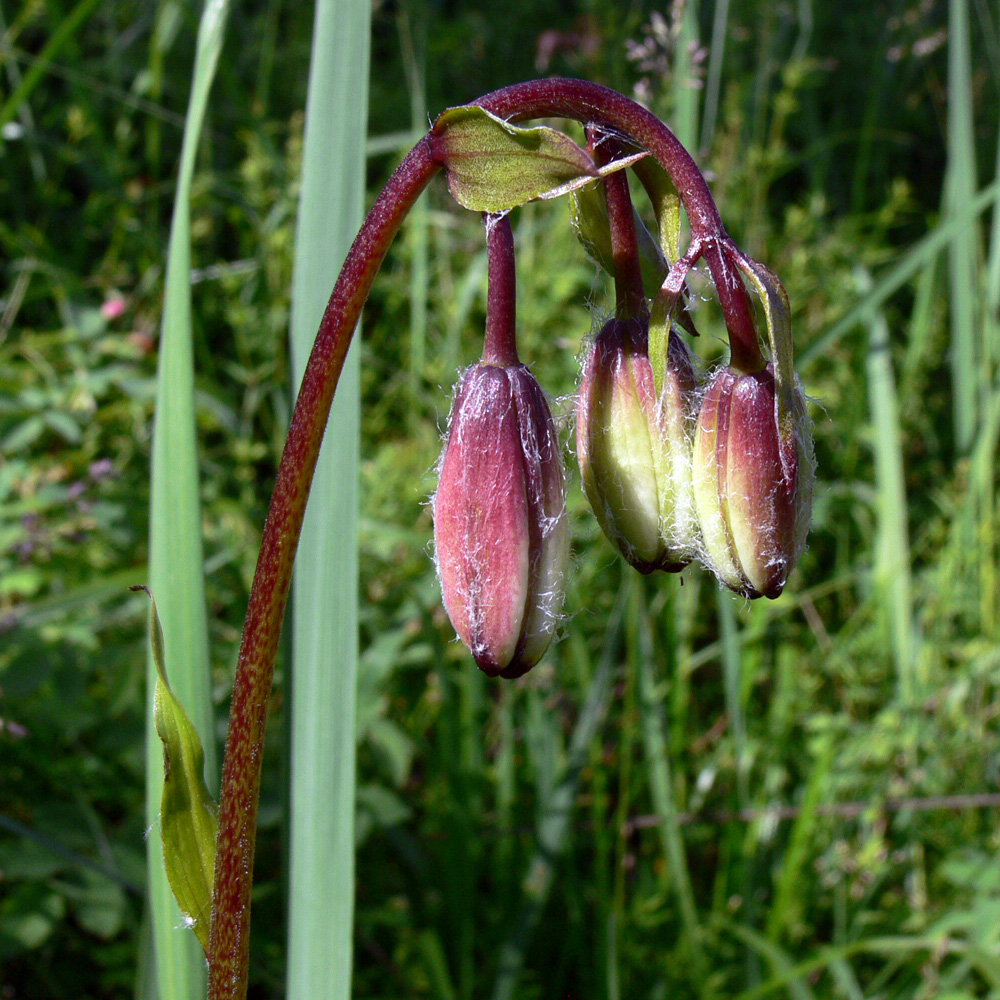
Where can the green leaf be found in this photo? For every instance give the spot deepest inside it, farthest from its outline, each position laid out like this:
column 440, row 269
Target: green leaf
column 324, row 619
column 661, row 317
column 176, row 556
column 588, row 215
column 778, row 316
column 666, row 205
column 493, row 166
column 189, row 822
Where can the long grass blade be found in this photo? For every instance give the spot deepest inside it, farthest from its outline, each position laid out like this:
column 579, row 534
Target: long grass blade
column 892, row 551
column 960, row 186
column 69, row 24
column 325, row 613
column 175, row 559
column 412, row 37
column 713, row 85
column 789, row 879
column 731, row 667
column 993, row 263
column 685, row 92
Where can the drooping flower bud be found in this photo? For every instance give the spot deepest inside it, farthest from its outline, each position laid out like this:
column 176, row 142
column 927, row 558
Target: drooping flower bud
column 500, row 532
column 635, row 450
column 753, row 481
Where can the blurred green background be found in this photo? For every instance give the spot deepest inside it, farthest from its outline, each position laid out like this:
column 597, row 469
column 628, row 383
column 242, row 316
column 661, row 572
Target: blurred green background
column 691, row 795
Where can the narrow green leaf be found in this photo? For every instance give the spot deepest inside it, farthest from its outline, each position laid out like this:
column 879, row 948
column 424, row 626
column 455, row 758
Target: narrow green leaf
column 666, row 205
column 960, row 186
column 176, row 560
column 891, row 568
column 780, row 960
column 493, row 166
column 189, row 822
column 667, row 306
column 643, row 656
column 788, row 883
column 324, row 667
column 713, row 83
column 993, row 263
column 661, row 317
column 778, row 316
column 412, row 28
column 685, row 87
column 917, row 257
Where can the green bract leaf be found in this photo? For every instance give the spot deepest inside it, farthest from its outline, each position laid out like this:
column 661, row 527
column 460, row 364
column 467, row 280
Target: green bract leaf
column 493, row 166
column 777, row 314
column 666, row 205
column 189, row 822
column 660, row 317
column 588, row 214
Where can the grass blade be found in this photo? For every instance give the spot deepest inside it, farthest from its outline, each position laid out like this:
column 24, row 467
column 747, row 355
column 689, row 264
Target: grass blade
column 412, row 27
column 325, row 614
column 892, row 550
column 713, row 85
column 790, row 878
column 993, row 264
column 960, row 186
column 175, row 550
column 685, row 92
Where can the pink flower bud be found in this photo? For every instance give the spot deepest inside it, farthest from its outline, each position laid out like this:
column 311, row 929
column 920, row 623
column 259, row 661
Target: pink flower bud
column 753, row 481
column 635, row 450
column 500, row 531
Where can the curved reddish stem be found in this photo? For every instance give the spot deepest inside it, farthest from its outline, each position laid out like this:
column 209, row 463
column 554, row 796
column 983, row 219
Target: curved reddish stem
column 630, row 300
column 593, row 104
column 229, row 936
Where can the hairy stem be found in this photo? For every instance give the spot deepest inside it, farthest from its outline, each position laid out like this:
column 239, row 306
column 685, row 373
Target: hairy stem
column 500, row 346
column 630, row 299
column 230, row 928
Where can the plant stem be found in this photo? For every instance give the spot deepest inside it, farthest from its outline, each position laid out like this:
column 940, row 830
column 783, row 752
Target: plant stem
column 500, row 346
column 230, row 929
column 630, row 300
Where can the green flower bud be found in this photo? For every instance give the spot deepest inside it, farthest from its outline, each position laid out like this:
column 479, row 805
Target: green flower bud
column 753, row 481
column 635, row 450
column 500, row 533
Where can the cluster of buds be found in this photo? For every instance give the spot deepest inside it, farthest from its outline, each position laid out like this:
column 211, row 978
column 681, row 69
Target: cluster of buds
column 674, row 470
column 716, row 474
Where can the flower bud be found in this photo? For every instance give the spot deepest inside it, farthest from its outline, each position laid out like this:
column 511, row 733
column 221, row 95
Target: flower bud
column 753, row 481
column 500, row 532
column 635, row 450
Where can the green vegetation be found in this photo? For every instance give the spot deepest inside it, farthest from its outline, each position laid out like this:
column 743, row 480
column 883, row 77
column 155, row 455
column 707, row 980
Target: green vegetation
column 691, row 795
